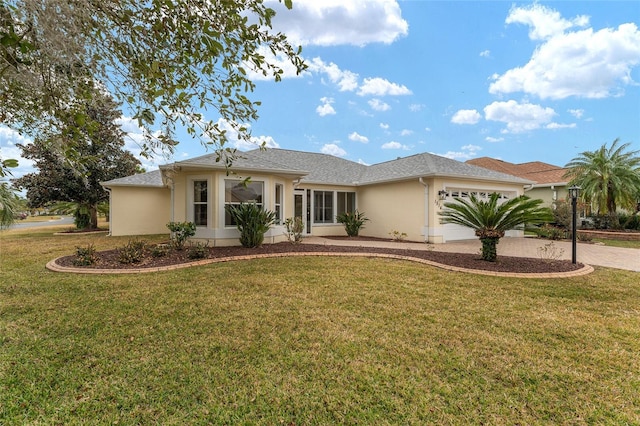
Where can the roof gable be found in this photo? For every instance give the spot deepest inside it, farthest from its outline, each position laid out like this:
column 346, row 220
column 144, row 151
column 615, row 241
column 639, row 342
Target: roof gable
column 537, row 171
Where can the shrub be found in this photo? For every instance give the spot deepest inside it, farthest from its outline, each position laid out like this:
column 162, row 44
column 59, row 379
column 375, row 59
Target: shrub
column 352, row 222
column 397, row 235
column 198, row 250
column 551, row 232
column 160, row 250
column 252, row 222
column 133, row 252
column 581, row 236
column 85, row 256
column 294, row 228
column 550, row 252
column 631, row 222
column 180, row 233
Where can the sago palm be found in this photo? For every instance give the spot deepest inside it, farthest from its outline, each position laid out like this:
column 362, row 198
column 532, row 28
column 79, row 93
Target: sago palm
column 491, row 219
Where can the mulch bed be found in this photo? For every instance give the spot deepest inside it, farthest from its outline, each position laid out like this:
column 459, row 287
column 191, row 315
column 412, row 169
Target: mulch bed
column 109, row 259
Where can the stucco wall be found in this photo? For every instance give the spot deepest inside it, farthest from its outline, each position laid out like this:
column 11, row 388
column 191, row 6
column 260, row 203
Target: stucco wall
column 391, row 207
column 139, row 211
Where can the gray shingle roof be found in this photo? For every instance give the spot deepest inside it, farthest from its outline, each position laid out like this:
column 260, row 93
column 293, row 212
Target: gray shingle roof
column 326, row 169
column 153, row 178
column 425, row 164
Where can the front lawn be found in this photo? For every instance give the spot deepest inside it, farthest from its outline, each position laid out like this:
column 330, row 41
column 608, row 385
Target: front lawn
column 310, row 341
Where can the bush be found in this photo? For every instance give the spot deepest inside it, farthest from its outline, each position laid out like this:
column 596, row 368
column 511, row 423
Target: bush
column 133, row 252
column 551, row 232
column 81, row 218
column 631, row 222
column 352, row 222
column 160, row 250
column 85, row 256
column 180, row 233
column 397, row 235
column 581, row 236
column 198, row 250
column 294, row 227
column 252, row 222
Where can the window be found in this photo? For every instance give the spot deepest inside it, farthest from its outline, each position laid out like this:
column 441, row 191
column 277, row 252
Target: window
column 238, row 191
column 346, row 202
column 278, row 203
column 323, row 206
column 200, row 202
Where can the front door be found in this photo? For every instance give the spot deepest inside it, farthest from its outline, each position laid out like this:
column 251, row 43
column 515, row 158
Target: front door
column 300, row 209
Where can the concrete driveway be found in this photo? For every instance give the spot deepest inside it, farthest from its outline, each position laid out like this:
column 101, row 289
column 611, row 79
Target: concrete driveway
column 590, row 254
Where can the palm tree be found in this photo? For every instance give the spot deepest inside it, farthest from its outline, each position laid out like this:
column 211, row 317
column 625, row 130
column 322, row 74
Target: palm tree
column 491, row 219
column 8, row 205
column 609, row 177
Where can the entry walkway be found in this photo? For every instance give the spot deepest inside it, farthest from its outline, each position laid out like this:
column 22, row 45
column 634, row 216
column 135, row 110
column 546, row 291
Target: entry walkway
column 590, row 254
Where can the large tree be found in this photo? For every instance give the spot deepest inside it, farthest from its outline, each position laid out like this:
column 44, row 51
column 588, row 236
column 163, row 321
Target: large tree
column 171, row 61
column 491, row 219
column 98, row 155
column 609, row 177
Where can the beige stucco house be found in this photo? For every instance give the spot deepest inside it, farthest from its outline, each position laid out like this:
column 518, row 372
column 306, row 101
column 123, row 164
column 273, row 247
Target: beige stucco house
column 402, row 195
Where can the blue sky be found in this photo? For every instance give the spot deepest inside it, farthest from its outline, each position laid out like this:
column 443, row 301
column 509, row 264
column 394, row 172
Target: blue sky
column 519, row 81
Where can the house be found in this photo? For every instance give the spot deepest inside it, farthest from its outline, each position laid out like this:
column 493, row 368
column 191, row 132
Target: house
column 549, row 181
column 401, row 195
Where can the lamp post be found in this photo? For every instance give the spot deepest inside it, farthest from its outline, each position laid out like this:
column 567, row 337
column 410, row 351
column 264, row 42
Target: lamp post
column 574, row 192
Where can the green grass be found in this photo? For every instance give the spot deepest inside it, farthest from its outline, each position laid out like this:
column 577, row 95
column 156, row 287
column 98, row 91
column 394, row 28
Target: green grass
column 618, row 243
column 310, row 341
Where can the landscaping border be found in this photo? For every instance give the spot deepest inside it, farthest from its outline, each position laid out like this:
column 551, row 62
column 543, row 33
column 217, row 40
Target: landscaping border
column 53, row 266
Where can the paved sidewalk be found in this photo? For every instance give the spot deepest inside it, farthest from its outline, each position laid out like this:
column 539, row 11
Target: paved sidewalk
column 590, row 254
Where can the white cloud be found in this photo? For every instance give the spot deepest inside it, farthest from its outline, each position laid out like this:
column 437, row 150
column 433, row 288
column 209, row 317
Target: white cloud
column 518, row 117
column 361, row 161
column 577, row 113
column 325, row 108
column 344, row 79
column 8, row 150
column 554, row 126
column 466, row 116
column 544, row 22
column 280, row 60
column 394, row 145
column 381, row 87
column 338, row 22
column 406, row 132
column 242, row 144
column 427, row 129
column 583, row 63
column 493, row 140
column 384, row 126
column 333, row 149
column 468, row 151
column 378, row 105
column 358, row 138
column 416, row 107
column 485, row 53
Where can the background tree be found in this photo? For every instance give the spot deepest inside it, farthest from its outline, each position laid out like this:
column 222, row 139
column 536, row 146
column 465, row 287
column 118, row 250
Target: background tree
column 491, row 220
column 98, row 156
column 170, row 61
column 609, row 178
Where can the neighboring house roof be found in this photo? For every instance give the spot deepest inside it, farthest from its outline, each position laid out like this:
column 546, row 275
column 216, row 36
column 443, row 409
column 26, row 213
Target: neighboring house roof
column 316, row 168
column 537, row 171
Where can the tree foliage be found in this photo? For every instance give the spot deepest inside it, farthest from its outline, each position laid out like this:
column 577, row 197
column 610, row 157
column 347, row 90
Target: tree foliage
column 8, row 205
column 171, row 61
column 491, row 219
column 609, row 177
column 99, row 156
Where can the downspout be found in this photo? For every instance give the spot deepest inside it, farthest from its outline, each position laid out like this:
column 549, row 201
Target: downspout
column 426, row 209
column 110, row 207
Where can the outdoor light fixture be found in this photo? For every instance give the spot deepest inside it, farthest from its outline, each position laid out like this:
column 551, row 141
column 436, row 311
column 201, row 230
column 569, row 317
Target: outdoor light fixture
column 442, row 195
column 574, row 193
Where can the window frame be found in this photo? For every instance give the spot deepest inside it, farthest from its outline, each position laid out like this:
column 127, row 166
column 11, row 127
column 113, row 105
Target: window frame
column 191, row 202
